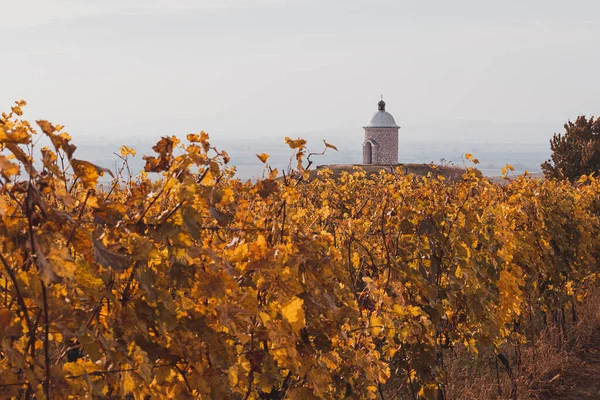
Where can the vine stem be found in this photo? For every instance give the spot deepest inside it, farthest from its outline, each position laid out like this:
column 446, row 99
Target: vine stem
column 283, row 221
column 410, row 383
column 158, row 195
column 46, row 342
column 182, row 373
column 87, row 196
column 387, row 250
column 20, row 300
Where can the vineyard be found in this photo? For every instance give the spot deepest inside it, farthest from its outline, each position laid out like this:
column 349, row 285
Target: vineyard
column 199, row 285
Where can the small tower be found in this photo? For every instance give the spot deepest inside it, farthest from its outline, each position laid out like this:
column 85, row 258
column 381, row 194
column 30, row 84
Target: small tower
column 381, row 138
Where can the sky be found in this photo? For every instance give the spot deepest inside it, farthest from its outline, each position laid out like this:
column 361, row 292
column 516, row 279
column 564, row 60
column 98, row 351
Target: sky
column 238, row 68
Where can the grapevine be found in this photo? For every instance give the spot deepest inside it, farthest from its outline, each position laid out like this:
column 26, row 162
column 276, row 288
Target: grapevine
column 200, row 285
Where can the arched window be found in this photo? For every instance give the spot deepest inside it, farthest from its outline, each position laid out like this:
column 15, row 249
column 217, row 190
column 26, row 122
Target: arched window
column 368, row 153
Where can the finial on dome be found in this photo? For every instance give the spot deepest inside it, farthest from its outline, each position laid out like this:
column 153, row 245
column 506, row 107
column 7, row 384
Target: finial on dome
column 381, row 104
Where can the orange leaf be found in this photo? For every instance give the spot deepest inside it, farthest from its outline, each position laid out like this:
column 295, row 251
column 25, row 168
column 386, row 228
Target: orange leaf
column 330, row 146
column 88, row 172
column 263, row 157
column 8, row 168
column 295, row 144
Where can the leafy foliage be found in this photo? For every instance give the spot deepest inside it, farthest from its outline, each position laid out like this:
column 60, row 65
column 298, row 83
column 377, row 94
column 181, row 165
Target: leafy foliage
column 576, row 152
column 198, row 285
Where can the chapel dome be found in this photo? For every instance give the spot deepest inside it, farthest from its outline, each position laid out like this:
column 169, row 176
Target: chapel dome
column 381, row 118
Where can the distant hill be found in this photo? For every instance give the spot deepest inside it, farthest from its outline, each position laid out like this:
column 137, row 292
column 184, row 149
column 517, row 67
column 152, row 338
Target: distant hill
column 499, row 179
column 450, row 173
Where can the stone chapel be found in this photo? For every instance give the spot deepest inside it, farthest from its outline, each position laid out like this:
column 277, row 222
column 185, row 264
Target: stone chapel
column 381, row 138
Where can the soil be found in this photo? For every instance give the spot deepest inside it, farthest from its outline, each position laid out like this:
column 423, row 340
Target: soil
column 583, row 381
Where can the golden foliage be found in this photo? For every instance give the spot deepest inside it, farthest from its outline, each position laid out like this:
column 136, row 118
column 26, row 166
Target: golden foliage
column 198, row 285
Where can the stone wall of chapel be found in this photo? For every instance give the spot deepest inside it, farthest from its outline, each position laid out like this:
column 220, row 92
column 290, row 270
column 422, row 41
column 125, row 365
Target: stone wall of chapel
column 387, row 145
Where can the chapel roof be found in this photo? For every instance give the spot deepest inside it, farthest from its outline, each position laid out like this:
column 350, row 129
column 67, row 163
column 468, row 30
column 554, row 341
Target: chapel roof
column 381, row 118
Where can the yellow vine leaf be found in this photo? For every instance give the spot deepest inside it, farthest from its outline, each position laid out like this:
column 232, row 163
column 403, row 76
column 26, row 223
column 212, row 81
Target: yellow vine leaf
column 293, row 312
column 376, row 323
column 88, row 172
column 129, row 383
column 18, row 136
column 458, row 273
column 127, row 151
column 195, row 138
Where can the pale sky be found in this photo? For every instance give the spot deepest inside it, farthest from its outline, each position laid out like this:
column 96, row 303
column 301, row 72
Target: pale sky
column 240, row 67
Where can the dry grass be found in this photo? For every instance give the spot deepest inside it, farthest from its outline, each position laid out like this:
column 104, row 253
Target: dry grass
column 557, row 366
column 562, row 363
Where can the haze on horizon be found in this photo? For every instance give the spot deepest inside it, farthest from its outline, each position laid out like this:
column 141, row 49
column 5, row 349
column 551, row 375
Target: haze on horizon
column 274, row 67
